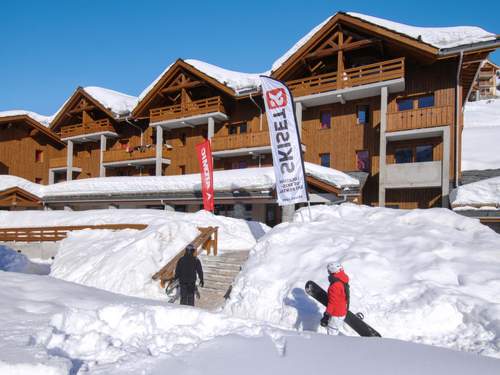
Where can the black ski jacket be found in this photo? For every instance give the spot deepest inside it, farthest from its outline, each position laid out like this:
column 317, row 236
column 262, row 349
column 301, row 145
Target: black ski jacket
column 187, row 268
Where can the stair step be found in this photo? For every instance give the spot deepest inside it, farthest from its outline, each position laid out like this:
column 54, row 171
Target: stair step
column 220, row 265
column 218, row 279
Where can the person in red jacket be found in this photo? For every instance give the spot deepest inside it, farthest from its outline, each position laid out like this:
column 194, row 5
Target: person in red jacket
column 338, row 299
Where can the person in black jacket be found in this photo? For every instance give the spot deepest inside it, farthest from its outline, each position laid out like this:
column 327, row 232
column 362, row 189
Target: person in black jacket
column 185, row 271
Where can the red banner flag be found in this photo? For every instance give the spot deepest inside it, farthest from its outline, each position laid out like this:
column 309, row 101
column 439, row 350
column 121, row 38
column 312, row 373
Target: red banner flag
column 207, row 174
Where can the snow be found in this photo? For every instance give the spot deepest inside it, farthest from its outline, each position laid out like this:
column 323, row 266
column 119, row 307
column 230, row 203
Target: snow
column 123, row 261
column 426, row 276
column 481, row 194
column 9, row 181
column 481, row 135
column 226, row 180
column 439, row 37
column 52, row 327
column 118, row 103
column 12, row 261
column 237, row 81
column 43, row 120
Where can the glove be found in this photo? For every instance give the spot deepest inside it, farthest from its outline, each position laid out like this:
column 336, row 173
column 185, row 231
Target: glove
column 202, row 283
column 325, row 319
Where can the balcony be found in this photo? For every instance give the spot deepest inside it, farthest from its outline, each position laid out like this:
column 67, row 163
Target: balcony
column 187, row 114
column 420, row 118
column 355, row 83
column 59, row 163
column 414, row 175
column 138, row 156
column 88, row 132
column 239, row 141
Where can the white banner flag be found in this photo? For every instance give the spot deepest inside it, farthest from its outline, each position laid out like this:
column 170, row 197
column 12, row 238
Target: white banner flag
column 285, row 142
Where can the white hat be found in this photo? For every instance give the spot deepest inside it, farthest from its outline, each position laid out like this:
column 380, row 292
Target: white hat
column 334, row 267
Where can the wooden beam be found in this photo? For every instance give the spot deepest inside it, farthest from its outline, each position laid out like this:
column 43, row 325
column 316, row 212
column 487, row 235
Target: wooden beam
column 185, row 85
column 340, row 62
column 345, row 47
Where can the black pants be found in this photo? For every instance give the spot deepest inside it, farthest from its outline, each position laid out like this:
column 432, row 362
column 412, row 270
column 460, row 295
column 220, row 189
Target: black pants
column 187, row 294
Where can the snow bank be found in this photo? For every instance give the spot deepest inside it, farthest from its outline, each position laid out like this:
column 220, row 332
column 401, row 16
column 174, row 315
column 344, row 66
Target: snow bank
column 118, row 103
column 439, row 37
column 51, row 327
column 9, row 181
column 481, row 135
column 44, row 120
column 428, row 276
column 124, row 261
column 481, row 194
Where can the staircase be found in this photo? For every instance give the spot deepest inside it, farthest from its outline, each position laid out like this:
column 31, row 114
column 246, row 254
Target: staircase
column 219, row 274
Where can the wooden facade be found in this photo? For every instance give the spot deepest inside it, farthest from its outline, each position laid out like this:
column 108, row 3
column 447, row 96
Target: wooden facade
column 27, row 148
column 346, row 55
column 486, row 83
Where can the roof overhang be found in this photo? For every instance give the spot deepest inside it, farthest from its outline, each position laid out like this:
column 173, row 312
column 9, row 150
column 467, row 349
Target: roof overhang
column 34, row 124
column 190, row 121
column 91, row 137
column 135, row 163
column 242, row 152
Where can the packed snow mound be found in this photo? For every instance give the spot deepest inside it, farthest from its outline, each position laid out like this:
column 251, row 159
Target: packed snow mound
column 480, row 135
column 8, row 181
column 428, row 276
column 439, row 37
column 119, row 103
column 124, row 261
column 12, row 261
column 44, row 120
column 481, row 194
column 52, row 327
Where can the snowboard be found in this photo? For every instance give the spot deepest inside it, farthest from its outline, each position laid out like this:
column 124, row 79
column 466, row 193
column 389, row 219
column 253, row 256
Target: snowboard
column 355, row 321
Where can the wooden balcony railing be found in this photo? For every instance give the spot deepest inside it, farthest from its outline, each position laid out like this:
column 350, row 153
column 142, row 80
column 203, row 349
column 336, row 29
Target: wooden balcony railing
column 420, row 118
column 88, row 128
column 135, row 154
column 177, row 111
column 236, row 141
column 60, row 162
column 362, row 75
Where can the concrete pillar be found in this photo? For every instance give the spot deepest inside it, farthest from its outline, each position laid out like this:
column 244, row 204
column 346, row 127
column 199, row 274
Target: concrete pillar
column 69, row 161
column 159, row 150
column 445, row 169
column 383, row 147
column 211, row 127
column 287, row 213
column 102, row 170
column 52, row 177
column 298, row 116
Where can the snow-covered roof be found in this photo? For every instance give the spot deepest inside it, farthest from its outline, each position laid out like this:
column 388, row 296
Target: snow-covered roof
column 481, row 135
column 228, row 180
column 44, row 120
column 482, row 194
column 9, row 182
column 119, row 103
column 439, row 37
column 237, row 81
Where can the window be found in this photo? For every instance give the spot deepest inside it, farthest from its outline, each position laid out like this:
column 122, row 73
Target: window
column 237, row 129
column 204, row 133
column 403, row 155
column 241, row 164
column 423, row 153
column 326, row 119
column 182, row 138
column 243, row 128
column 38, row 156
column 38, row 180
column 182, row 169
column 363, row 160
column 363, row 114
column 426, row 101
column 325, row 160
column 232, row 130
column 405, row 104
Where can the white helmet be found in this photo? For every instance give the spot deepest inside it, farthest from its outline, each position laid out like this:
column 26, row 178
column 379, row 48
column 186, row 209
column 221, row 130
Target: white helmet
column 334, row 267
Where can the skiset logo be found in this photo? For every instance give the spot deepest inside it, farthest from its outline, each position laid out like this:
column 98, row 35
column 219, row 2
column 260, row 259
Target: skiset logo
column 276, row 98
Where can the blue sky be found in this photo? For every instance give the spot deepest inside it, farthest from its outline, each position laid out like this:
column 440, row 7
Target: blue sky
column 48, row 48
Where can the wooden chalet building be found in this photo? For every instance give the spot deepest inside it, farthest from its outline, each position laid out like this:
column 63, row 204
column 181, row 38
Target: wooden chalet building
column 487, row 82
column 378, row 100
column 27, row 146
column 100, row 138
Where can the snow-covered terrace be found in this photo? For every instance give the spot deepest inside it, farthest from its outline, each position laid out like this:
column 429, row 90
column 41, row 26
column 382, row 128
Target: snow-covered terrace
column 245, row 180
column 481, row 195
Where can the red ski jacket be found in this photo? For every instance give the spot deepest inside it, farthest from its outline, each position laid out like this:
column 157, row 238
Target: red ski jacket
column 337, row 301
